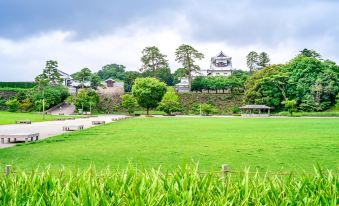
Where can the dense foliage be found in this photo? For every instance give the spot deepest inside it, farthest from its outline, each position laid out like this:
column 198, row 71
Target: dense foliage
column 24, row 85
column 183, row 186
column 187, row 56
column 233, row 83
column 148, row 92
column 266, row 87
column 129, row 103
column 114, row 71
column 50, row 75
column 152, row 60
column 31, row 99
column 311, row 82
column 170, row 102
column 85, row 99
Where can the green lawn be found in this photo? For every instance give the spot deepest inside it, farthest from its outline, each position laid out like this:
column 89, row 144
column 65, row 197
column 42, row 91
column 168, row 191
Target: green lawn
column 281, row 144
column 11, row 117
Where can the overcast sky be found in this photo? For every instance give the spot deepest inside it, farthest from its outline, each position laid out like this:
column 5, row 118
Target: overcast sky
column 83, row 33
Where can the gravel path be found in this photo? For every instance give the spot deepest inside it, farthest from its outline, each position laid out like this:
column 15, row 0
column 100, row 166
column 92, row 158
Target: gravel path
column 51, row 128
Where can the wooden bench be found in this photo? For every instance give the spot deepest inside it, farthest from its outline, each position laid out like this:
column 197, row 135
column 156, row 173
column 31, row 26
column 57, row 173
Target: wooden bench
column 61, row 114
column 98, row 122
column 73, row 127
column 16, row 137
column 23, row 122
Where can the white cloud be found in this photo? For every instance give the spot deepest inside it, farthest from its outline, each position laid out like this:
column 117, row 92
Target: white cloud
column 22, row 60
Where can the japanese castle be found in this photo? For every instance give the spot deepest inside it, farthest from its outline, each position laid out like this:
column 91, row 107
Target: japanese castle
column 221, row 65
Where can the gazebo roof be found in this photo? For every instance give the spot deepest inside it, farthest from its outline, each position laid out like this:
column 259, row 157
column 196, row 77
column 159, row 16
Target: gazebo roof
column 255, row 106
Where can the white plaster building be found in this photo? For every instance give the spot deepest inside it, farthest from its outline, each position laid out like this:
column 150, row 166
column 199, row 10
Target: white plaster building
column 221, row 65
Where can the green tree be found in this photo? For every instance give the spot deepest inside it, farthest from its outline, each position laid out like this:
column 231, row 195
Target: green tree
column 337, row 102
column 309, row 75
column 152, row 60
column 198, row 84
column 129, row 103
column 187, row 55
column 163, row 74
column 179, row 73
column 113, row 71
column 266, row 86
column 50, row 74
column 95, row 81
column 170, row 102
column 83, row 76
column 290, row 105
column 252, row 60
column 263, row 59
column 148, row 92
column 130, row 77
column 86, row 99
column 310, row 53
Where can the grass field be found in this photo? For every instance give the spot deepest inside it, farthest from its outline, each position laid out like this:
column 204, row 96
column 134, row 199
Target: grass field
column 281, row 144
column 11, row 117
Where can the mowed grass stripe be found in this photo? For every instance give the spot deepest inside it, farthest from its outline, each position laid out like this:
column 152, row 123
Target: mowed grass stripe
column 281, row 144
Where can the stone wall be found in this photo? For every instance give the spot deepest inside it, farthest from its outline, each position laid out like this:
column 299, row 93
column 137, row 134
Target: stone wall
column 224, row 102
column 7, row 94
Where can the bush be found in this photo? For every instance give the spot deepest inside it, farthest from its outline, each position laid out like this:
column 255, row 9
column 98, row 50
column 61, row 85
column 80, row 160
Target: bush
column 25, row 105
column 129, row 103
column 235, row 110
column 290, row 105
column 12, row 105
column 86, row 99
column 169, row 102
column 208, row 109
column 53, row 95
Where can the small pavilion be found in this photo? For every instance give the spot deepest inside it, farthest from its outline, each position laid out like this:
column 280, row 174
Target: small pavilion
column 254, row 110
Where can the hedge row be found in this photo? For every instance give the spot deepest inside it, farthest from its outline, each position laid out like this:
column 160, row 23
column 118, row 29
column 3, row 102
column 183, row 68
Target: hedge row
column 25, row 85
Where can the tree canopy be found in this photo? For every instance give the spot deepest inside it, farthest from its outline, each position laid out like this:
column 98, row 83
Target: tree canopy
column 113, row 71
column 152, row 60
column 187, row 55
column 311, row 82
column 148, row 92
column 50, row 75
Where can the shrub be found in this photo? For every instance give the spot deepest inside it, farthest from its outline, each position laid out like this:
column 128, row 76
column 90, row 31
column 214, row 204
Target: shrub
column 25, row 105
column 169, row 102
column 290, row 105
column 148, row 92
column 235, row 110
column 129, row 103
column 53, row 95
column 337, row 102
column 12, row 105
column 208, row 109
column 86, row 99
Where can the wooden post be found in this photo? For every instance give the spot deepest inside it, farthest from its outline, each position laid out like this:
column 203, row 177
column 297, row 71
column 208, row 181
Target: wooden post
column 7, row 169
column 224, row 170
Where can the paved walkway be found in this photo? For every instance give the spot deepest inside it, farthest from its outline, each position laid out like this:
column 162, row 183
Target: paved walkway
column 51, row 128
column 66, row 109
